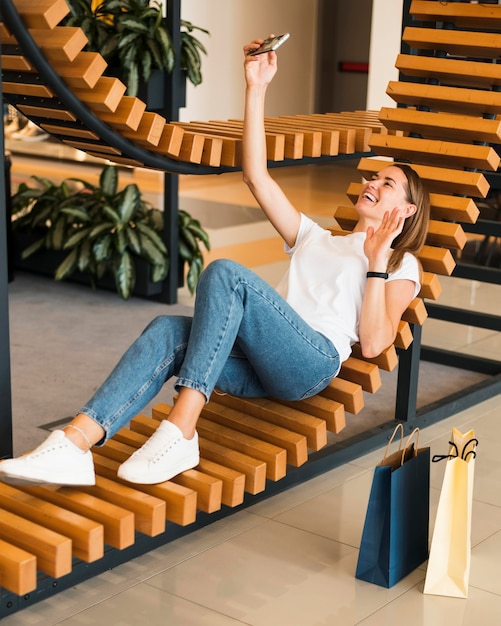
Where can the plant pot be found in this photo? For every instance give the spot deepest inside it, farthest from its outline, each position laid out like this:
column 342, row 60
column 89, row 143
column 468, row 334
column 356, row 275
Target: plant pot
column 45, row 263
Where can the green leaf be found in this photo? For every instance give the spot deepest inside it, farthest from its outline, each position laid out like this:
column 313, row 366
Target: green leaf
column 134, row 24
column 150, row 252
column 133, row 240
column 76, row 238
column 112, row 214
column 108, row 181
column 129, row 203
column 125, row 276
column 153, row 235
column 101, row 248
column 84, row 256
column 58, row 233
column 34, row 247
column 81, row 214
column 67, row 267
column 101, row 228
column 159, row 272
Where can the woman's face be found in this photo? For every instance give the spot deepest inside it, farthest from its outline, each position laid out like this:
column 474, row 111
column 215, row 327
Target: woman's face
column 386, row 191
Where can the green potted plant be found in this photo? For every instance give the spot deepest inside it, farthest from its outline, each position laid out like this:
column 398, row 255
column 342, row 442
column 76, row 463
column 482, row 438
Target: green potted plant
column 101, row 230
column 132, row 36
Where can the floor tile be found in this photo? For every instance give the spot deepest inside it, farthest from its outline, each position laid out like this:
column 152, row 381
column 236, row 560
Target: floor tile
column 275, row 574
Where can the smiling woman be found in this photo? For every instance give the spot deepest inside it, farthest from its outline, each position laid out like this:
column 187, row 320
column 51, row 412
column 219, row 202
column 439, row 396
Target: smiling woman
column 246, row 338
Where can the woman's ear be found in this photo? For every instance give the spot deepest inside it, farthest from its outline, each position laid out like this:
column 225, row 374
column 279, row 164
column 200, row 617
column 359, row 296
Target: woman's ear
column 410, row 209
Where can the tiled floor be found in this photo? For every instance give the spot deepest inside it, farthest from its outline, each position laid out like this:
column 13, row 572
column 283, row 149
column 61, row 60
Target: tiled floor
column 290, row 560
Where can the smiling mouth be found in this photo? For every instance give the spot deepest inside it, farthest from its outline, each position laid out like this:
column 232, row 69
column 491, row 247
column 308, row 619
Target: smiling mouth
column 369, row 196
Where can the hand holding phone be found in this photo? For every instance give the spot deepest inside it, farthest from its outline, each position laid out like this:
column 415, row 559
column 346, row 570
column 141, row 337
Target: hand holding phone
column 270, row 44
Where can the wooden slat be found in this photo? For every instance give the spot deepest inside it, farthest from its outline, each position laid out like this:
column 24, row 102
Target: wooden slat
column 84, row 72
column 437, row 180
column 70, row 131
column 457, row 43
column 52, row 550
column 149, row 131
column 42, row 13
column 118, row 523
column 347, row 135
column 127, row 116
column 448, row 99
column 450, row 127
column 349, row 394
column 60, row 43
column 253, row 469
column 324, row 408
column 435, row 152
column 233, row 481
column 454, row 72
column 104, row 96
column 16, row 63
column 313, row 428
column 26, row 89
column 430, row 286
column 415, row 312
column 404, row 336
column 149, row 512
column 46, row 112
column 464, row 14
column 274, row 457
column 18, row 569
column 361, row 372
column 330, row 138
column 86, row 535
column 437, row 260
column 387, row 360
column 181, row 503
column 294, row 443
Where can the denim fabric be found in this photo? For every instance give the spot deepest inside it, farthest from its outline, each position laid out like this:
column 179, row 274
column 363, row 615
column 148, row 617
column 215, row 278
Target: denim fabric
column 243, row 338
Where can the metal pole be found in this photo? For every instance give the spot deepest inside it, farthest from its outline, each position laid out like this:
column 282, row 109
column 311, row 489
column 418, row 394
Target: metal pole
column 6, row 443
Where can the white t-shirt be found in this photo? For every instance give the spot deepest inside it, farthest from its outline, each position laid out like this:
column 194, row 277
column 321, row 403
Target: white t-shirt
column 326, row 278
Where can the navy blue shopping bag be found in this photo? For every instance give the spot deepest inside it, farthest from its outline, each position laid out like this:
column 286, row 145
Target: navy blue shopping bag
column 395, row 535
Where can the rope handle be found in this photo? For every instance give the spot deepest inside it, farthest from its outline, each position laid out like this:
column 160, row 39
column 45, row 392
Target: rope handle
column 397, row 428
column 455, row 452
column 415, row 432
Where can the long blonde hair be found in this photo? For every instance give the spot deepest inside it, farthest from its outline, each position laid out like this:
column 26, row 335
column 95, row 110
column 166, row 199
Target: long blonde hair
column 413, row 235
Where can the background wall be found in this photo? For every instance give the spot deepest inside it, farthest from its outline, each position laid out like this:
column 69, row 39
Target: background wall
column 235, row 22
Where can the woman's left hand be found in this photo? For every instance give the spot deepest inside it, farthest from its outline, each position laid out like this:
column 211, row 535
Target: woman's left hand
column 378, row 241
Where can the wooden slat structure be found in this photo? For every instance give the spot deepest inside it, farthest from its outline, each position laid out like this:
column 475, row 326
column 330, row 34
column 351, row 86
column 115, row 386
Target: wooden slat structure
column 249, row 448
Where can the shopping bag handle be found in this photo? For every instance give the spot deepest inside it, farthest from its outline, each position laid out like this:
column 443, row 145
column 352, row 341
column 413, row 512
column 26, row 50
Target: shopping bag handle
column 415, row 432
column 398, row 427
column 464, row 455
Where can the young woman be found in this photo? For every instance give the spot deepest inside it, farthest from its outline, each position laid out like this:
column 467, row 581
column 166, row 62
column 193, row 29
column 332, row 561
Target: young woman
column 246, row 338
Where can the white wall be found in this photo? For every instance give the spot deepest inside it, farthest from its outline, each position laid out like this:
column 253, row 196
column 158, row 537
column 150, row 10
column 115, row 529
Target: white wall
column 386, row 35
column 235, row 22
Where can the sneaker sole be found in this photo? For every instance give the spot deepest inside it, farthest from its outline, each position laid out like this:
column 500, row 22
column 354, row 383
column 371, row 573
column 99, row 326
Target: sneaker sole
column 17, row 480
column 153, row 478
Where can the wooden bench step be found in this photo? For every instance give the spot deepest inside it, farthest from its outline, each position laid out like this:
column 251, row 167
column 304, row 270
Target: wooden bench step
column 52, row 550
column 463, row 14
column 446, row 99
column 448, row 127
column 453, row 72
column 180, row 502
column 18, row 569
column 118, row 523
column 454, row 42
column 313, row 428
column 86, row 535
column 42, row 13
column 436, row 152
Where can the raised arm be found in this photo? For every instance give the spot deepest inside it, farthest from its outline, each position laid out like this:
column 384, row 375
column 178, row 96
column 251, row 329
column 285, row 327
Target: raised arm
column 259, row 72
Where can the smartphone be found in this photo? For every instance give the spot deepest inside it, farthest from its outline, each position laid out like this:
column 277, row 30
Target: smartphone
column 270, row 44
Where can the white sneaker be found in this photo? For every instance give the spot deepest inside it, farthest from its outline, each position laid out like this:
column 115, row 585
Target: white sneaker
column 56, row 461
column 165, row 455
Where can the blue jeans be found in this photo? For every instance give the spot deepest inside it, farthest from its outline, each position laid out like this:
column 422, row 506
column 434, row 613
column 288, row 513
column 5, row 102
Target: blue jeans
column 243, row 339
